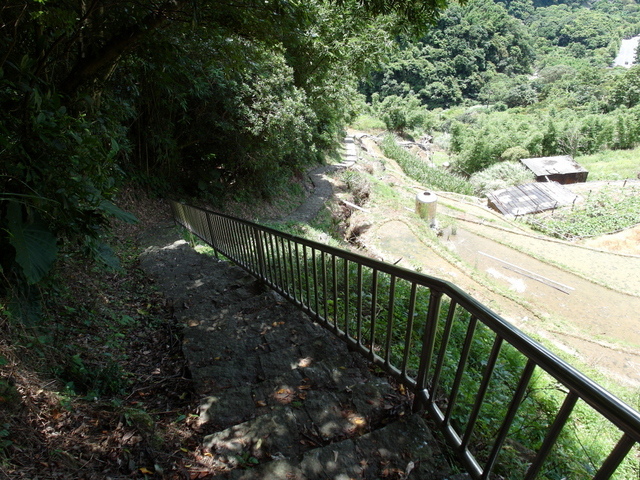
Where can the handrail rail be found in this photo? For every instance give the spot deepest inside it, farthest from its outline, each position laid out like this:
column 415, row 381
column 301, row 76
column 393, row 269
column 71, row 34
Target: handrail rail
column 436, row 317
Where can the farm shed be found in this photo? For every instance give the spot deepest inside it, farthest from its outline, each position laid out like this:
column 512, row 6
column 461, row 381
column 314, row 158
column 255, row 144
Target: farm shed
column 530, row 198
column 562, row 169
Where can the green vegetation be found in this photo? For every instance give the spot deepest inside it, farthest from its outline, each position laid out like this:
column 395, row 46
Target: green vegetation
column 602, row 213
column 432, row 177
column 101, row 360
column 611, row 165
column 494, row 77
column 501, row 175
column 230, row 101
column 195, row 99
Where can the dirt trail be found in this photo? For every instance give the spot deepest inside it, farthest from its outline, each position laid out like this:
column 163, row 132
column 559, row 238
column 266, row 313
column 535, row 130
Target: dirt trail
column 580, row 302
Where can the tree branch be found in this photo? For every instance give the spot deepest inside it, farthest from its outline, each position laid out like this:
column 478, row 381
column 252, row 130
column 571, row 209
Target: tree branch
column 102, row 61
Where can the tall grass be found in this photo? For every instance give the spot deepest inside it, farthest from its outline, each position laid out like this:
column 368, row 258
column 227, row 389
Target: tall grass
column 431, row 177
column 612, row 164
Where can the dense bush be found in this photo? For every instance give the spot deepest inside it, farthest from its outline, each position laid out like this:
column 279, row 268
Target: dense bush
column 206, row 98
column 500, row 175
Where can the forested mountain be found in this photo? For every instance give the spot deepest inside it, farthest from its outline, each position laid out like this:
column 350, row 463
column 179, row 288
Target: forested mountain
column 497, row 80
column 453, row 61
column 485, row 51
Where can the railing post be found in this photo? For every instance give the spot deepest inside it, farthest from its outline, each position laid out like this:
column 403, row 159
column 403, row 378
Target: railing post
column 214, row 240
column 260, row 252
column 428, row 342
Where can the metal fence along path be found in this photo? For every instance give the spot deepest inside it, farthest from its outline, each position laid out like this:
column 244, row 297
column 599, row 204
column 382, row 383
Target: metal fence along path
column 478, row 377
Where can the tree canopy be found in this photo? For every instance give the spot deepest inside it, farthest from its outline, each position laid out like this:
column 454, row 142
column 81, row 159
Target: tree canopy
column 201, row 96
column 454, row 60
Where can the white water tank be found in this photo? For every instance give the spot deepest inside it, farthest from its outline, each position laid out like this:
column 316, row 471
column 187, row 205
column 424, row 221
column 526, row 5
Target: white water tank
column 426, row 204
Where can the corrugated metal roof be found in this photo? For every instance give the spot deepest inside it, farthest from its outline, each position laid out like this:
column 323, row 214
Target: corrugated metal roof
column 558, row 165
column 530, row 198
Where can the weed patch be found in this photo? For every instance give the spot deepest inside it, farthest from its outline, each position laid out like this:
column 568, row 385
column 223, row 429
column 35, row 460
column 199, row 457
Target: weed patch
column 602, row 213
column 431, row 177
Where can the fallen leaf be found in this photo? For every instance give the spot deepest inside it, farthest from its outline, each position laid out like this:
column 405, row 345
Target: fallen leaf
column 145, row 471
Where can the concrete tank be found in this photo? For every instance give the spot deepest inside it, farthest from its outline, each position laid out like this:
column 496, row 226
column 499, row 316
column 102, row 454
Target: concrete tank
column 426, row 204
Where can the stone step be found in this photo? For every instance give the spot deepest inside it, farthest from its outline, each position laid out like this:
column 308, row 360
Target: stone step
column 193, row 282
column 404, row 449
column 306, row 417
column 278, row 392
column 266, row 365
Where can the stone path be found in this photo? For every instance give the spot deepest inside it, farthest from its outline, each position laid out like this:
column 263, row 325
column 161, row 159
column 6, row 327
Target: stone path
column 322, row 187
column 281, row 398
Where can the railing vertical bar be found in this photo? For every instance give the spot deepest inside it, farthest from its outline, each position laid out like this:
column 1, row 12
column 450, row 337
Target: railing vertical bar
column 252, row 247
column 259, row 251
column 334, row 272
column 306, row 275
column 390, row 308
column 359, row 306
column 325, row 300
column 616, row 457
column 240, row 244
column 225, row 237
column 552, row 435
column 284, row 266
column 374, row 313
column 231, row 249
column 214, row 241
column 231, row 241
column 198, row 222
column 523, row 384
column 206, row 229
column 275, row 273
column 194, row 223
column 482, row 391
column 315, row 282
column 243, row 251
column 428, row 345
column 346, row 297
column 234, row 247
column 191, row 222
column 300, row 289
column 409, row 330
column 444, row 342
column 293, row 271
column 264, row 244
column 214, row 222
column 464, row 355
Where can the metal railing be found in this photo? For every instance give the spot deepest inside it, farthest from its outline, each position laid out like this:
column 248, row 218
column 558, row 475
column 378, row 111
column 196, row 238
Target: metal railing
column 454, row 354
